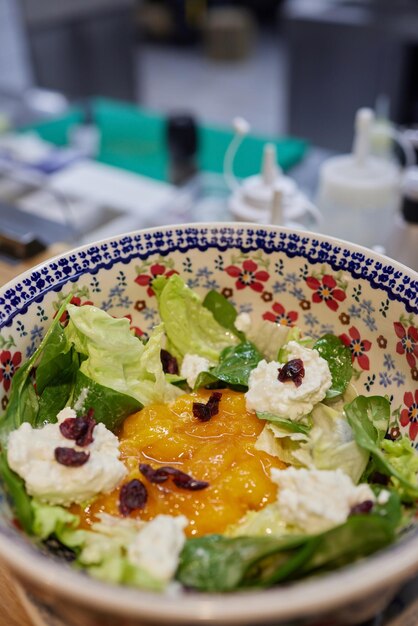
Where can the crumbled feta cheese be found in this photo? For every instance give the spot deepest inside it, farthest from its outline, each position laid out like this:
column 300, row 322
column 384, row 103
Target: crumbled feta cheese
column 383, row 497
column 315, row 500
column 157, row 546
column 243, row 322
column 30, row 454
column 267, row 393
column 66, row 413
column 79, row 403
column 191, row 367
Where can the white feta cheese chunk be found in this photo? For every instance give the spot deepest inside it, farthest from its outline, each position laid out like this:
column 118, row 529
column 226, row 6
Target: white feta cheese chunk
column 383, row 497
column 191, row 367
column 31, row 455
column 267, row 393
column 243, row 322
column 66, row 413
column 314, row 501
column 157, row 546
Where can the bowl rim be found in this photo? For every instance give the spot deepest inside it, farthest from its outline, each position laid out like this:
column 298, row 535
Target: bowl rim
column 411, row 274
column 385, row 570
column 389, row 567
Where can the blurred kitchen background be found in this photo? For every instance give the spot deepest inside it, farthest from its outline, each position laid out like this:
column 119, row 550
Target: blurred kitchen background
column 122, row 114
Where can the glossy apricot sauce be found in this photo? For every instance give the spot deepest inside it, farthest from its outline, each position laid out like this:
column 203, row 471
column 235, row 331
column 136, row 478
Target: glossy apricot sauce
column 220, row 451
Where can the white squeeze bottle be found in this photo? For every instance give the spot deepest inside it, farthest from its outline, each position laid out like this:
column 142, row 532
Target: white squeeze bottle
column 359, row 193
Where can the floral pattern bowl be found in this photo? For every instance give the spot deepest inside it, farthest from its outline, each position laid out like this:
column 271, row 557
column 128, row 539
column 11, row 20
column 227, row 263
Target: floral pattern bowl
column 319, row 283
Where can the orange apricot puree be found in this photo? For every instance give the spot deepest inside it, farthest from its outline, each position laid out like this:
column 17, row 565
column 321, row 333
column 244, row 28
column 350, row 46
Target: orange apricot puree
column 220, row 451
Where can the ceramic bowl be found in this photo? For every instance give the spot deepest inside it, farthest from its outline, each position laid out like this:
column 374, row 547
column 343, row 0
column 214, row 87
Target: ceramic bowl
column 320, row 284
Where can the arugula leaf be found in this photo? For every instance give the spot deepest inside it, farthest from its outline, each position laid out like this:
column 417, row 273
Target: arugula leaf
column 234, row 367
column 15, row 487
column 338, row 356
column 217, row 563
column 223, row 311
column 110, row 407
column 369, row 419
column 287, row 424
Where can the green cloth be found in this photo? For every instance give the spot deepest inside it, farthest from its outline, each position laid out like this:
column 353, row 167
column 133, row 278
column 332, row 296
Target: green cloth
column 134, row 139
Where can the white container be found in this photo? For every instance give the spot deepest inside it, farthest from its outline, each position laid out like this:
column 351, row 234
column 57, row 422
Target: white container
column 359, row 194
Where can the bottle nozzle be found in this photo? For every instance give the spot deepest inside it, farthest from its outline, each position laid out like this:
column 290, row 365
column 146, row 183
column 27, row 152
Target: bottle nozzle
column 269, row 169
column 362, row 127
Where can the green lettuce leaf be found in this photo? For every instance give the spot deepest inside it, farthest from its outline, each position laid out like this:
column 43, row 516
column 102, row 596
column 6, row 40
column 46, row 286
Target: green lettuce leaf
column 190, row 327
column 234, row 368
column 101, row 551
column 402, row 456
column 331, row 444
column 268, row 522
column 338, row 356
column 269, row 338
column 294, row 334
column 217, row 563
column 285, row 444
column 284, row 423
column 264, row 523
column 53, row 520
column 116, row 359
column 326, row 443
column 369, row 419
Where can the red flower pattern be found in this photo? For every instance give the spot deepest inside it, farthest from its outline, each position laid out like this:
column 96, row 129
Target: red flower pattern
column 325, row 291
column 135, row 329
column 358, row 347
column 9, row 364
column 156, row 270
column 77, row 302
column 279, row 316
column 248, row 276
column 409, row 415
column 408, row 343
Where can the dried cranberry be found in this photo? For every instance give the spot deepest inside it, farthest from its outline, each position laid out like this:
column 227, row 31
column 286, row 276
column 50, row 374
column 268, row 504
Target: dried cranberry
column 204, row 412
column 70, row 457
column 379, row 478
column 201, row 411
column 169, row 362
column 156, row 476
column 213, row 402
column 292, row 371
column 79, row 428
column 133, row 496
column 180, row 479
column 362, row 508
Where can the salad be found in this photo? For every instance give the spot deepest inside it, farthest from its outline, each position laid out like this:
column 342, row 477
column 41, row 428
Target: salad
column 221, row 453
